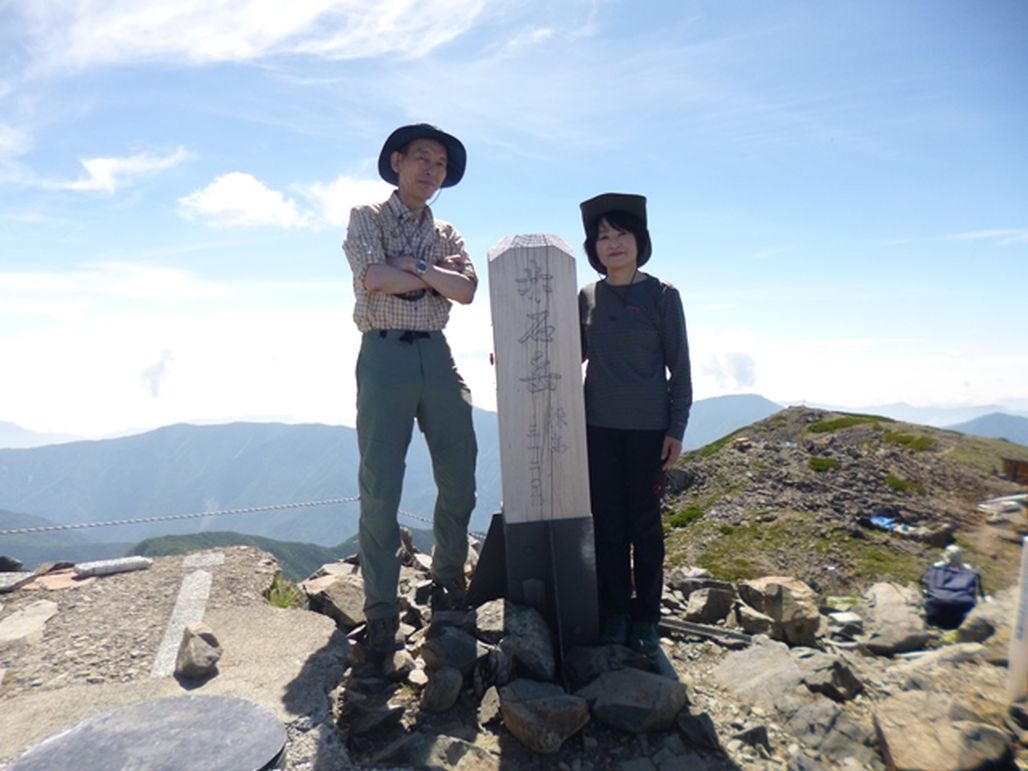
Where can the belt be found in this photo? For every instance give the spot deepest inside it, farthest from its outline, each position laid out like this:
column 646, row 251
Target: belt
column 404, row 335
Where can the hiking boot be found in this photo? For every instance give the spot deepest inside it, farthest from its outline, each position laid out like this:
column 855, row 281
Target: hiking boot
column 382, row 635
column 448, row 593
column 615, row 630
column 644, row 638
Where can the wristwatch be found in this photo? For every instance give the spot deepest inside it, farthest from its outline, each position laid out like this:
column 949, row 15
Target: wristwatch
column 420, row 266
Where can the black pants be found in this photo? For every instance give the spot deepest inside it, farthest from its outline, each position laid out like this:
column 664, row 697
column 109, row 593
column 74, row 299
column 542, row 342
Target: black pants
column 626, row 482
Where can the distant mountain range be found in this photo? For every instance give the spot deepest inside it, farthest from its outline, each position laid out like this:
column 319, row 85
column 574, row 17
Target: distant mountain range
column 939, row 417
column 13, row 435
column 996, row 425
column 191, row 469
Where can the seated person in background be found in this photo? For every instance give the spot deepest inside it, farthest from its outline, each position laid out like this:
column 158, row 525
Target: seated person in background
column 951, row 589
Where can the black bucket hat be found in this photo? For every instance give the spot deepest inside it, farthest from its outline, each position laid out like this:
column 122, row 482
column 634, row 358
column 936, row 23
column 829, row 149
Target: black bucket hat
column 456, row 155
column 630, row 203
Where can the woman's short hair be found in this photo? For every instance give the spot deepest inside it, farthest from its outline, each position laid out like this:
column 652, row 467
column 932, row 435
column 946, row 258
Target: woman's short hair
column 619, row 220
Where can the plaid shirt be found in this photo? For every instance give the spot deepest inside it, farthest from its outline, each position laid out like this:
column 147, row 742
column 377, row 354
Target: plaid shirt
column 390, row 229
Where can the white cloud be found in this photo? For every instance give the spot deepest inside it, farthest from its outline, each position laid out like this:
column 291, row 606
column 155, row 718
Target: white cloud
column 106, row 175
column 409, row 28
column 85, row 33
column 240, row 200
column 996, row 236
column 731, row 371
column 154, row 375
column 1002, row 237
column 40, row 293
column 335, row 199
column 14, row 142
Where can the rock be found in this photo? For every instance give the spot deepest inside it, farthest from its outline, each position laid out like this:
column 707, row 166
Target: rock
column 827, row 674
column 928, row 729
column 198, row 654
column 451, row 647
column 522, row 634
column 27, row 625
column 989, row 623
column 10, row 564
column 398, row 666
column 435, row 752
column 827, row 730
column 442, row 690
column 698, row 729
column 110, row 567
column 764, row 674
column 541, row 715
column 339, row 596
column 755, row 736
column 790, row 603
column 584, row 664
column 893, row 616
column 709, row 605
column 845, row 625
column 750, row 620
column 489, row 707
column 493, row 669
column 632, row 700
column 9, row 581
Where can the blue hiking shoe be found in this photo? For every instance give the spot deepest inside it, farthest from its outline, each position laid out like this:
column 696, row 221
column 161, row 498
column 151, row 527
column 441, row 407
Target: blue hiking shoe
column 644, row 638
column 615, row 630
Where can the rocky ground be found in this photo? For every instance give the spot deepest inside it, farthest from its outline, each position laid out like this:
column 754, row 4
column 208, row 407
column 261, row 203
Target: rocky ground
column 795, row 494
column 803, row 690
column 841, row 700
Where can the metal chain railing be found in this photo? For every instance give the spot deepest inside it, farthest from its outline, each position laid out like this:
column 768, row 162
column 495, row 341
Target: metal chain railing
column 202, row 515
column 173, row 517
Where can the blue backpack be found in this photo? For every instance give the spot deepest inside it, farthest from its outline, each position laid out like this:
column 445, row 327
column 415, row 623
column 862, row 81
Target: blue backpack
column 950, row 593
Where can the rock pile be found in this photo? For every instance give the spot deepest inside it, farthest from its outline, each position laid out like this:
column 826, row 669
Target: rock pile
column 869, row 686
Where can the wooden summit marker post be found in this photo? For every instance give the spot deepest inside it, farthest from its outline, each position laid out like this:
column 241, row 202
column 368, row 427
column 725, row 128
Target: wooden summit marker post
column 547, row 518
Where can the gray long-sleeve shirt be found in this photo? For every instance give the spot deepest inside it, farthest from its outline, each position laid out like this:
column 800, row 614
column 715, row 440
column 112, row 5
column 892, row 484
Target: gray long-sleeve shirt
column 638, row 374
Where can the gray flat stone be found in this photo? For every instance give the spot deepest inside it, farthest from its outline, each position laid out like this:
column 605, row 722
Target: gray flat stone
column 110, row 567
column 11, row 581
column 184, row 733
column 28, row 623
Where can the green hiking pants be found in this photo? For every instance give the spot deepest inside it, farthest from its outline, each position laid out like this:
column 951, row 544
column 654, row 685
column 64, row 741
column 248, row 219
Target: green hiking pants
column 403, row 377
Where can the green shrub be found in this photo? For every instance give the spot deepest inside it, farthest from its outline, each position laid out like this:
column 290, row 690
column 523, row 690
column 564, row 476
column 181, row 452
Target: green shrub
column 683, row 518
column 717, row 444
column 910, row 441
column 284, row 594
column 903, row 485
column 846, row 421
column 819, row 463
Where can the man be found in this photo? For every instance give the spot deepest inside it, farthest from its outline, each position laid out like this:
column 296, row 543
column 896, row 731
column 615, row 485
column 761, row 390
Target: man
column 408, row 269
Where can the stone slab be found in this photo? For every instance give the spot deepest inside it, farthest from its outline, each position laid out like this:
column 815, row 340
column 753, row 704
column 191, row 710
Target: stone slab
column 60, row 579
column 185, row 733
column 27, row 623
column 110, row 567
column 11, row 581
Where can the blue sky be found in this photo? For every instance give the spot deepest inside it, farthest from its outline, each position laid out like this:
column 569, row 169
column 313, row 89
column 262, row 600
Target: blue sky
column 839, row 190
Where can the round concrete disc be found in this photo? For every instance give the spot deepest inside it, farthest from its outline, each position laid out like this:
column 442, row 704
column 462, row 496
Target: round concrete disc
column 178, row 734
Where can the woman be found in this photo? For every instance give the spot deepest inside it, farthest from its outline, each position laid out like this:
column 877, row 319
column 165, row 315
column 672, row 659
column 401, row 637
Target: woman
column 638, row 391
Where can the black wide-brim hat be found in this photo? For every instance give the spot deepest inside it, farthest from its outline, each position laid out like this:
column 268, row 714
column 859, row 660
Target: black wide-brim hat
column 456, row 155
column 630, row 203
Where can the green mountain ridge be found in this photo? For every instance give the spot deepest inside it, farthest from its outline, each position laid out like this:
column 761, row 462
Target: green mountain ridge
column 297, row 561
